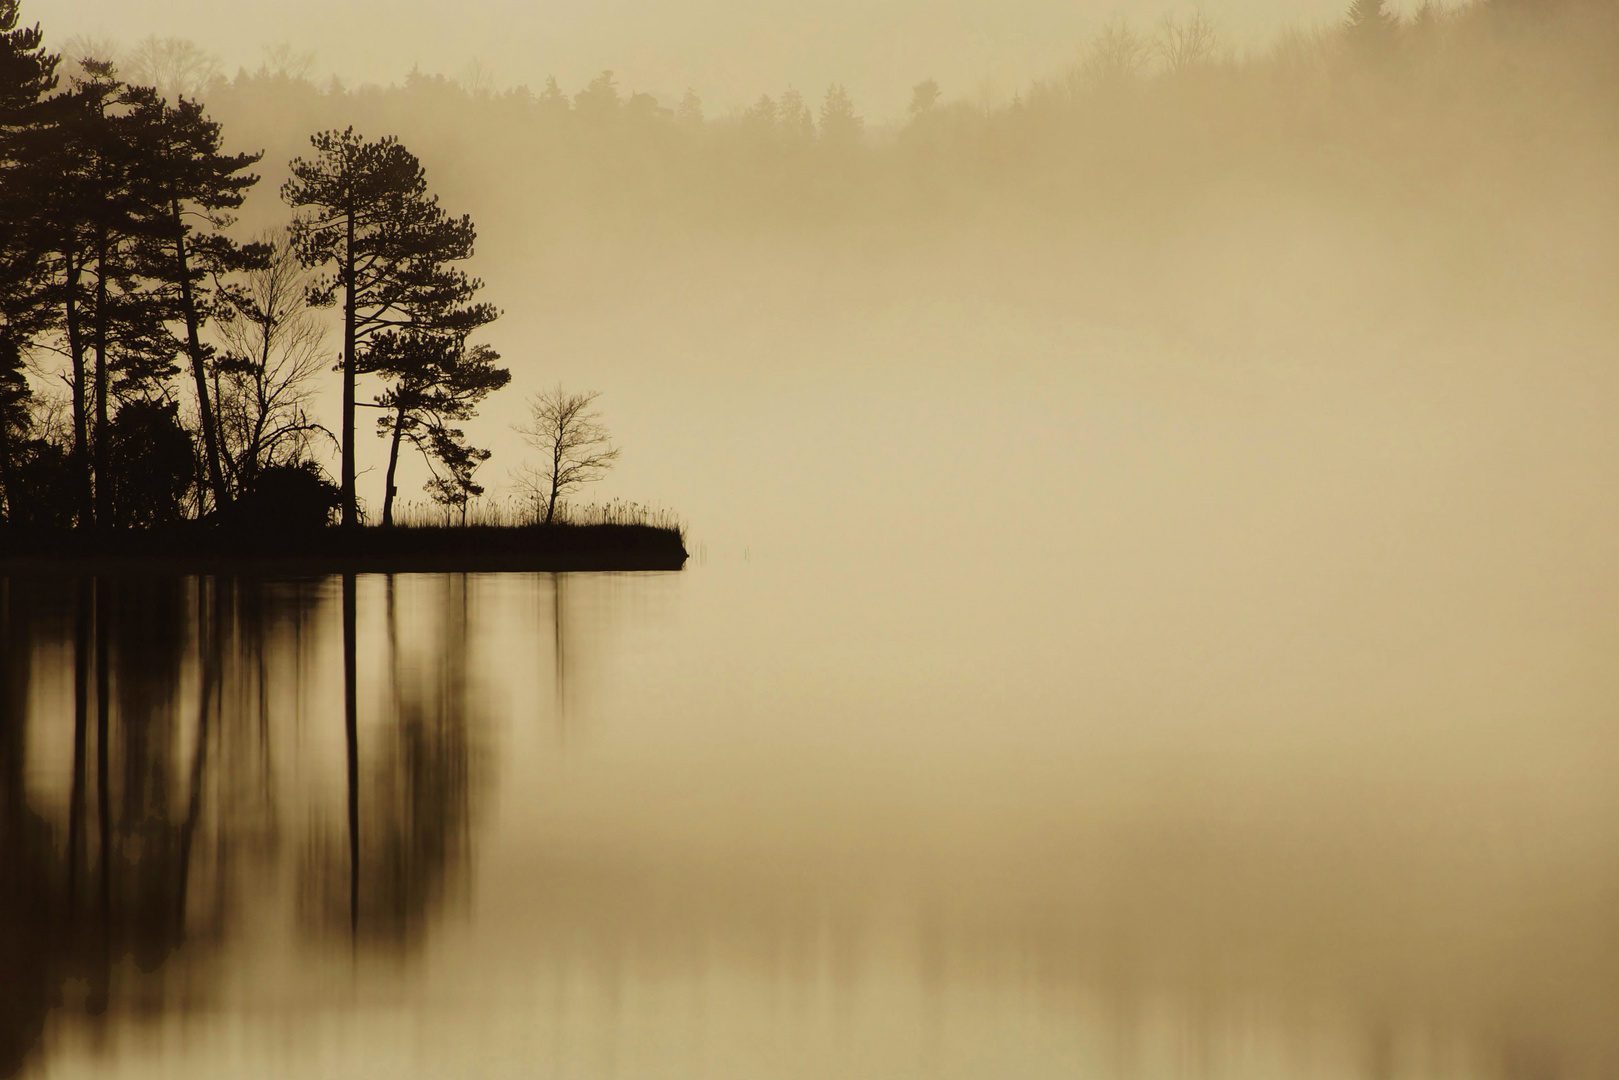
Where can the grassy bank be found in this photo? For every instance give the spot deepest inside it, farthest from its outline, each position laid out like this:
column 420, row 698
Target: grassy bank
column 196, row 548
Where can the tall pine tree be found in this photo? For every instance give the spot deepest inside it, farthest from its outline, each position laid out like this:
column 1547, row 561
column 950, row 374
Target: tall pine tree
column 437, row 380
column 27, row 76
column 366, row 215
column 189, row 183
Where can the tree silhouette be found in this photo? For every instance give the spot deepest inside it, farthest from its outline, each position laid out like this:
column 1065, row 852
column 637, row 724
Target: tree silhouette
column 437, row 381
column 924, row 95
column 191, row 180
column 262, row 384
column 599, row 100
column 793, row 118
column 1369, row 26
column 759, row 119
column 1185, row 44
column 552, row 101
column 574, row 443
column 27, row 75
column 109, row 218
column 174, row 67
column 151, row 463
column 370, row 217
column 690, row 110
column 839, row 124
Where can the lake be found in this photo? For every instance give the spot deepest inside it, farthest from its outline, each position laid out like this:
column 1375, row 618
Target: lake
column 774, row 817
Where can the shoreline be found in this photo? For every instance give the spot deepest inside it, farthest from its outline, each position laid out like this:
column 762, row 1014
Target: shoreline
column 201, row 549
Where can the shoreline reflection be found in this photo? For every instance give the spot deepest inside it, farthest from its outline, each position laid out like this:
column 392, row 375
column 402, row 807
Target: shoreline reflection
column 202, row 778
column 630, row 826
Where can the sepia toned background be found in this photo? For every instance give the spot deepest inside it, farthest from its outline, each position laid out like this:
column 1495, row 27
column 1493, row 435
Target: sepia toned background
column 1154, row 520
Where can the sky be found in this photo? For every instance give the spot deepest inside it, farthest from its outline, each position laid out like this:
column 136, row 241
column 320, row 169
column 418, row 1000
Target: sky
column 730, row 51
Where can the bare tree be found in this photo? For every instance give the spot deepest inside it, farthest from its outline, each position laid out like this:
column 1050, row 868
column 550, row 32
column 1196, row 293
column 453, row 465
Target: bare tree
column 82, row 49
column 282, row 61
column 478, row 79
column 1185, row 44
column 1114, row 60
column 266, row 378
column 176, row 67
column 563, row 427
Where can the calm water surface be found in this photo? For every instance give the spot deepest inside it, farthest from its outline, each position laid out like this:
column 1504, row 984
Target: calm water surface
column 759, row 820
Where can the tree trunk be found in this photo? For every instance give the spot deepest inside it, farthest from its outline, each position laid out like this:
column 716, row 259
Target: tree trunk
column 8, row 476
column 205, row 410
column 254, row 450
column 393, row 465
column 81, row 416
column 103, row 484
column 351, row 515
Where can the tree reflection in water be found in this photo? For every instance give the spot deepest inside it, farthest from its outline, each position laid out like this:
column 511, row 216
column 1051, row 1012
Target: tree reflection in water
column 405, row 844
column 201, row 713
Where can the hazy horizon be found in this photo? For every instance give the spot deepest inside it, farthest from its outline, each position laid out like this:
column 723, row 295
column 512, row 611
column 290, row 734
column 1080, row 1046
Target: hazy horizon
column 1153, row 573
column 728, row 53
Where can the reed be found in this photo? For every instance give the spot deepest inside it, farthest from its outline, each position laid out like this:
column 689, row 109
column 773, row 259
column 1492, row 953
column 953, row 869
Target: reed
column 517, row 512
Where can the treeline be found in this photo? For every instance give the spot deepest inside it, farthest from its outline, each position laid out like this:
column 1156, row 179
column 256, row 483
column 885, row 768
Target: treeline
column 159, row 362
column 155, row 368
column 1373, row 106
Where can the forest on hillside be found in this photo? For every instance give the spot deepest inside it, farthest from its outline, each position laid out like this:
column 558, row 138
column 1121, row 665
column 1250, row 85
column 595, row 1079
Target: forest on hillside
column 1484, row 136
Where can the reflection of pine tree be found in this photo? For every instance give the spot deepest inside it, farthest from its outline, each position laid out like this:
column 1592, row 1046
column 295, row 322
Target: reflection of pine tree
column 31, row 904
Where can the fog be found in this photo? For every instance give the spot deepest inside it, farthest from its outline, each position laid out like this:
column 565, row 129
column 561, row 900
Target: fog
column 1179, row 468
column 726, row 50
column 1288, row 297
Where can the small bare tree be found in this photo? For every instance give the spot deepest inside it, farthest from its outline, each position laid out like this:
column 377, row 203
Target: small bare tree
column 1113, row 61
column 264, row 381
column 570, row 435
column 176, row 67
column 1185, row 44
column 282, row 61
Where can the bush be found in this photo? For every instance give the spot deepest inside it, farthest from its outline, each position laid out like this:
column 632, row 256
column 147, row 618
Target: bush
column 153, row 465
column 288, row 498
column 43, row 481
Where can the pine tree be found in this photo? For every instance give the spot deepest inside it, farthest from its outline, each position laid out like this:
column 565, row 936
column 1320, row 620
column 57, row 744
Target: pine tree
column 690, row 110
column 793, row 118
column 187, row 179
column 27, row 75
column 102, row 222
column 1369, row 26
column 437, row 381
column 367, row 214
column 839, row 124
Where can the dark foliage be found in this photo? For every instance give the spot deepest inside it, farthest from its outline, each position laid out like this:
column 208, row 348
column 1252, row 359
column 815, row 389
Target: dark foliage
column 40, row 488
column 365, row 212
column 153, row 465
column 295, row 497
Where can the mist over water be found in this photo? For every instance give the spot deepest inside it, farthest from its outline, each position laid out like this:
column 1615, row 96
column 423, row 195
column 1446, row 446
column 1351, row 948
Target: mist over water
column 729, row 822
column 1151, row 609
